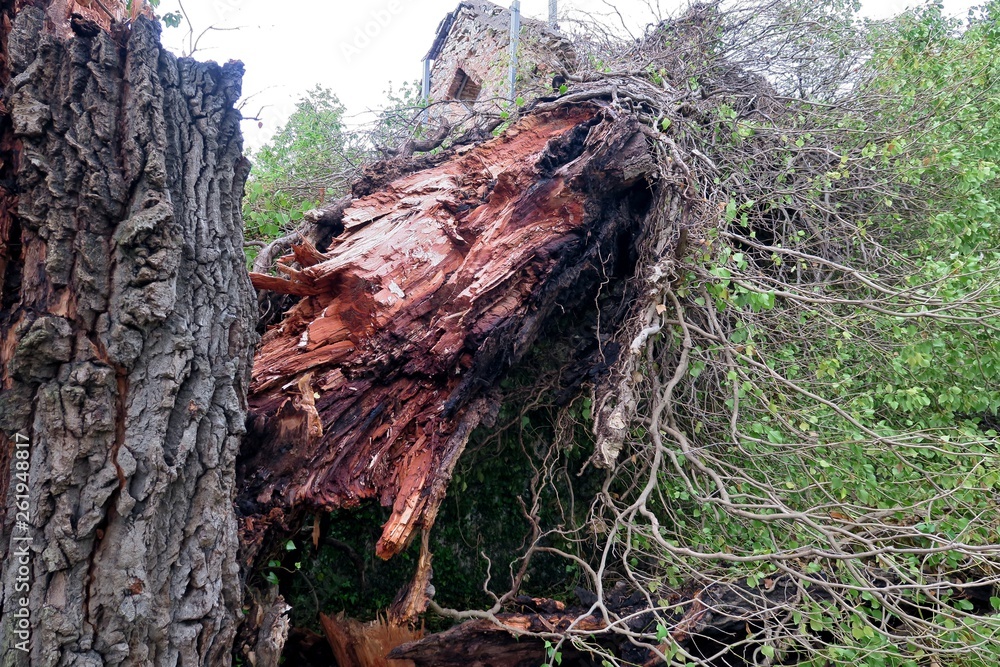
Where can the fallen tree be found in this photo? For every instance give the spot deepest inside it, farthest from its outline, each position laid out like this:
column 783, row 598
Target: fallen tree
column 716, row 240
column 706, row 621
column 739, row 253
column 439, row 281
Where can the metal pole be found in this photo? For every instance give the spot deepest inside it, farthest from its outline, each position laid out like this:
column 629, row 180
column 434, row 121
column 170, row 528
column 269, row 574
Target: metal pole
column 425, row 93
column 553, row 11
column 515, row 37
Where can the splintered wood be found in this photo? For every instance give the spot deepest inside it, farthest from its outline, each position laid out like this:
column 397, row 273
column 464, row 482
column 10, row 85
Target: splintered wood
column 372, row 383
column 357, row 644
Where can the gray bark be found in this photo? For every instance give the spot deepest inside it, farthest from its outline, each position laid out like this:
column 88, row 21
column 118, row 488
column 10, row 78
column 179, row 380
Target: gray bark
column 126, row 341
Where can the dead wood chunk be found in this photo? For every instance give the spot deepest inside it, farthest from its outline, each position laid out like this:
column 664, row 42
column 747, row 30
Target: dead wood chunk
column 704, row 620
column 440, row 280
column 541, row 605
column 357, row 644
column 274, row 625
column 472, row 643
column 414, row 598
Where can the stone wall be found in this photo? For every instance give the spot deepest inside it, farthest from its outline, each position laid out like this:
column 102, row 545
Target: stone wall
column 478, row 49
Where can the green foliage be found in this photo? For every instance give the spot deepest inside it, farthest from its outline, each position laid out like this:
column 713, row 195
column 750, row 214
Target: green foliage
column 398, row 120
column 845, row 395
column 311, row 157
column 554, row 655
column 315, row 156
column 170, row 19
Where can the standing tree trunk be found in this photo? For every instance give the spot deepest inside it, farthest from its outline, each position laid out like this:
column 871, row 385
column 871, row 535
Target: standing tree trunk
column 125, row 344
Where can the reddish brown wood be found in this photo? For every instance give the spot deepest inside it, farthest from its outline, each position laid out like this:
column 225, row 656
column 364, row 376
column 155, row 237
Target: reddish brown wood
column 371, row 384
column 356, row 644
column 10, row 241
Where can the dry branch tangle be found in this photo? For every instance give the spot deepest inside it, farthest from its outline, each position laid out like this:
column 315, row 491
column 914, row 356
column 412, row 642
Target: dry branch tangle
column 372, row 383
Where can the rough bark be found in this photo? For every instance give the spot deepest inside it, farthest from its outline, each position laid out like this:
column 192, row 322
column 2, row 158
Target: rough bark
column 371, row 385
column 125, row 343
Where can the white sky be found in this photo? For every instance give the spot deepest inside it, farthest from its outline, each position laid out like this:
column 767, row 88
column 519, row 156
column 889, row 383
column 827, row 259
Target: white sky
column 356, row 48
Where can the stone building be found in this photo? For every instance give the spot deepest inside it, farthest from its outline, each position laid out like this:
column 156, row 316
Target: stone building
column 468, row 66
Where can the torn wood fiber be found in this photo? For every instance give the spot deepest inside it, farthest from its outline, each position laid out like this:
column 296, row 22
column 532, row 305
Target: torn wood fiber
column 372, row 383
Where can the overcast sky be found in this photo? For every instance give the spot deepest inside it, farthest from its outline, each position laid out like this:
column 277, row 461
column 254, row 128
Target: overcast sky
column 357, row 47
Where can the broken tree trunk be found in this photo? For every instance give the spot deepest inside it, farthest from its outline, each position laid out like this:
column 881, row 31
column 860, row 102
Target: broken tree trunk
column 357, row 644
column 372, row 383
column 125, row 344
